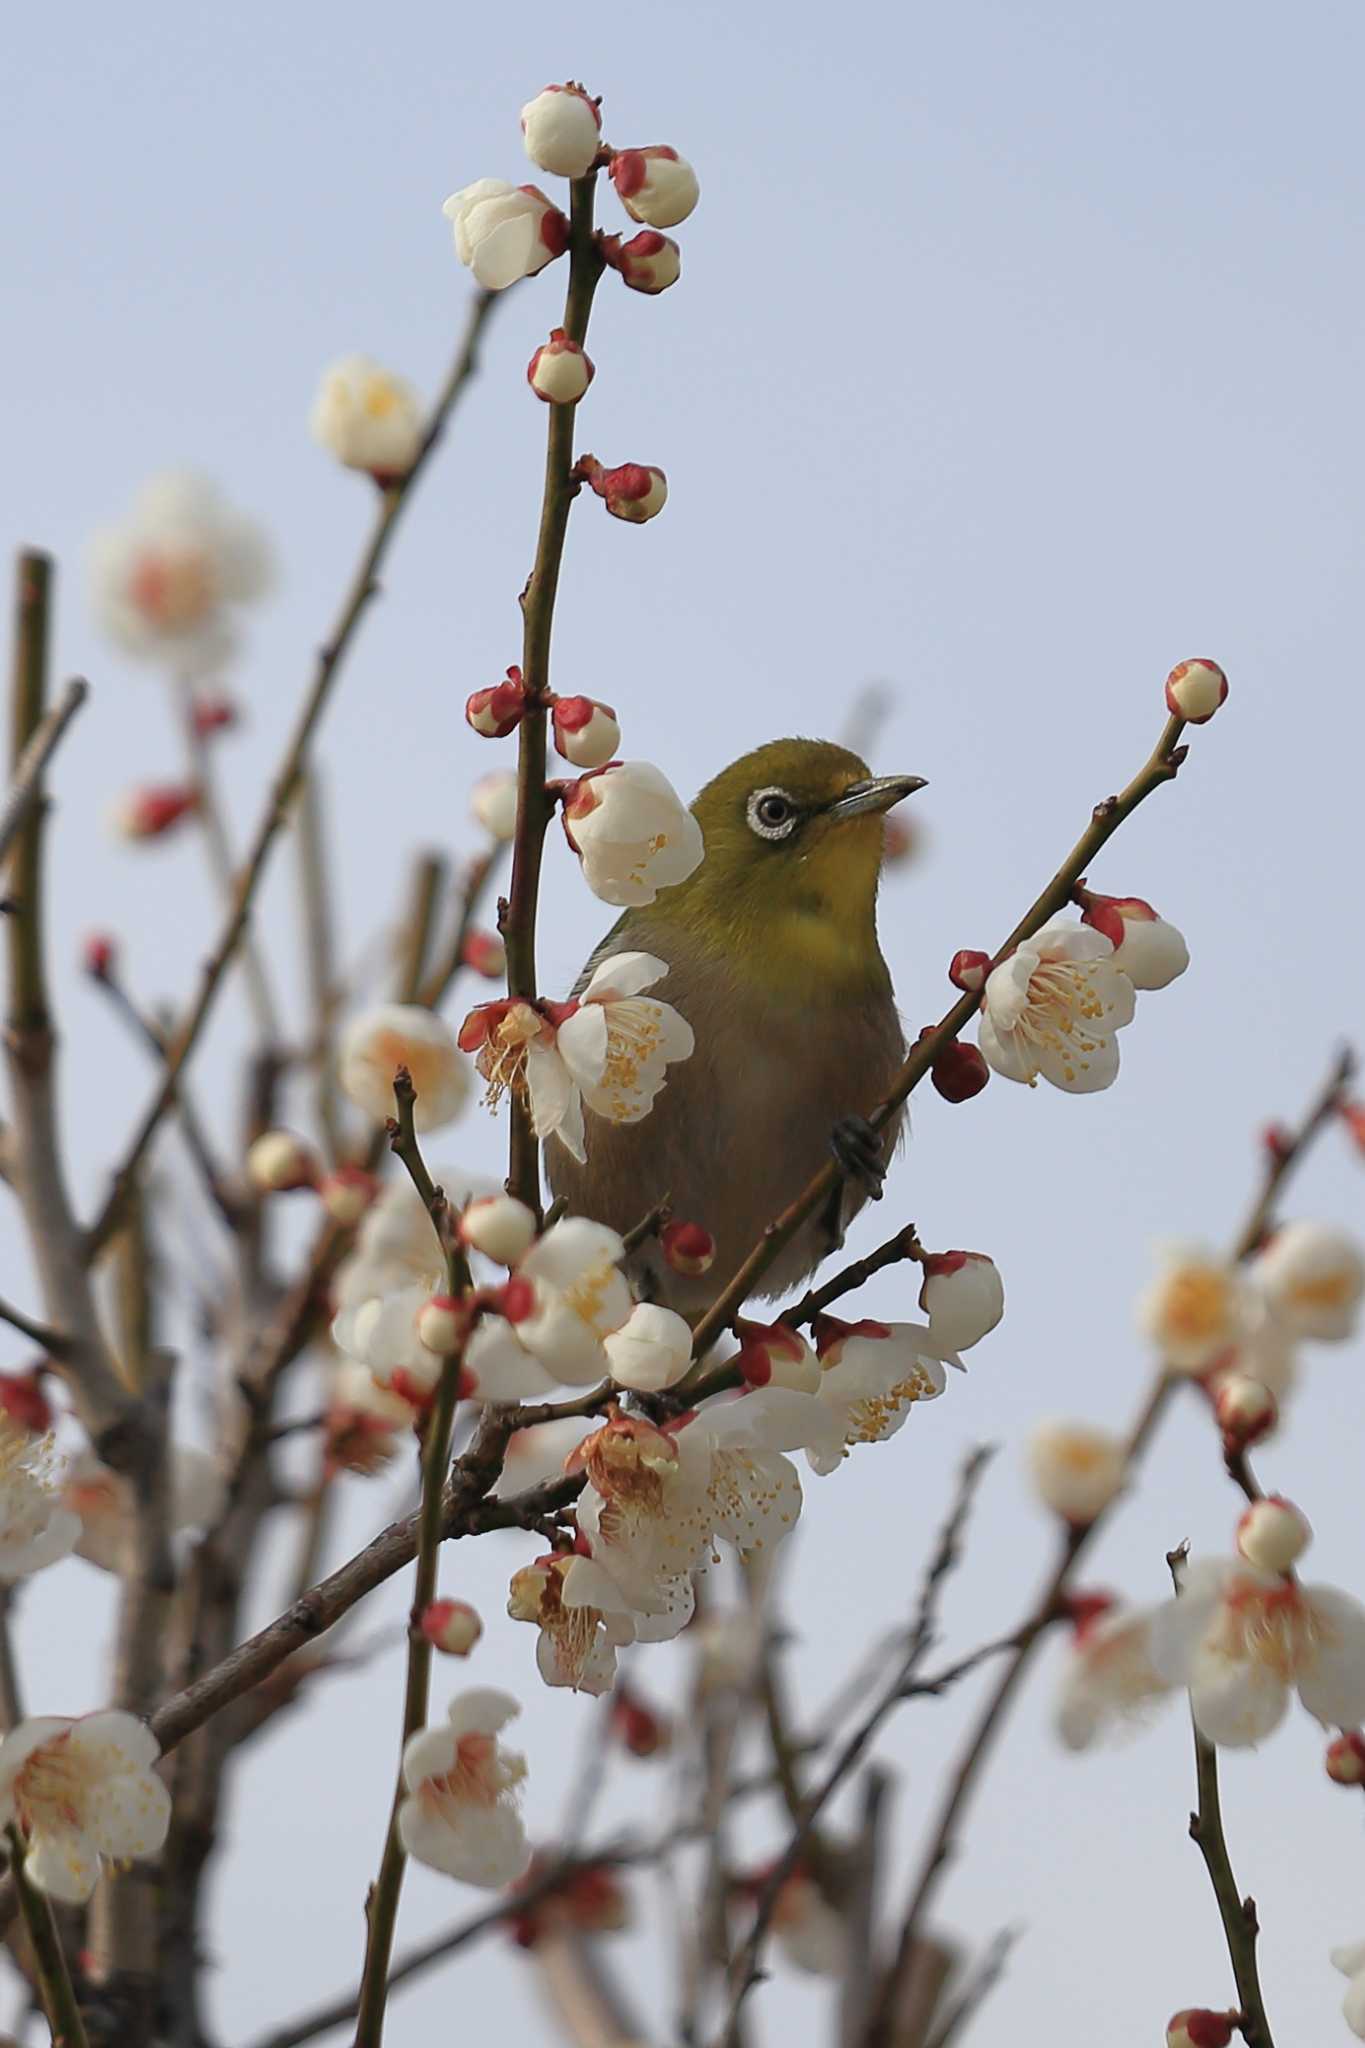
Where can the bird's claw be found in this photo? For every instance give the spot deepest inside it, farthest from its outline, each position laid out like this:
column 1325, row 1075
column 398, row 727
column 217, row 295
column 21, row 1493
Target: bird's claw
column 857, row 1150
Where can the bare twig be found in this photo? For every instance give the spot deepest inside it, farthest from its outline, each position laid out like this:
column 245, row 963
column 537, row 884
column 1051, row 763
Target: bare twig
column 54, row 1979
column 151, row 1035
column 28, row 769
column 478, row 876
column 976, row 1990
column 209, row 813
column 319, row 952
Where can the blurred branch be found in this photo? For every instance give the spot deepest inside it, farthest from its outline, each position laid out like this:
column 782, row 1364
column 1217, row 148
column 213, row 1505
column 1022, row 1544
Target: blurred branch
column 222, row 865
column 1286, row 1156
column 319, row 951
column 11, row 1695
column 975, row 1991
column 364, row 586
column 151, row 1035
column 29, row 768
column 479, row 874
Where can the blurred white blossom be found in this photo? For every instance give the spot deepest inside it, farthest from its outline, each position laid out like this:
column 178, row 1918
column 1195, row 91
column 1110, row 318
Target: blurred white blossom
column 460, row 1814
column 368, row 418
column 81, row 1793
column 166, row 582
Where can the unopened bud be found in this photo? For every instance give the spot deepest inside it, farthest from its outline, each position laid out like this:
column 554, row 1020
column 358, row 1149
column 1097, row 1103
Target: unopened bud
column 442, row 1324
column 497, row 711
column 213, row 714
column 1273, row 1534
column 774, row 1355
column 649, row 262
column 967, row 970
column 451, row 1626
column 150, row 812
column 279, row 1161
column 559, row 371
column 1197, row 2027
column 500, row 1227
column 347, row 1193
column 656, row 185
column 1277, row 1143
column 99, row 956
column 959, row 1072
column 687, row 1248
column 634, row 490
column 586, row 732
column 1245, row 1410
column 1194, row 691
column 493, row 801
column 22, row 1399
column 517, row 1300
column 1353, row 1116
column 637, row 1727
column 562, row 129
column 485, row 953
column 1345, row 1758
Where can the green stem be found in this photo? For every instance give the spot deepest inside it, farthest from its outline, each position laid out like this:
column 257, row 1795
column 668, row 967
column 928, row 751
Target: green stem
column 54, row 1979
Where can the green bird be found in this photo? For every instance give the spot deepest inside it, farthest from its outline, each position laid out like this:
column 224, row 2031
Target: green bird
column 772, row 955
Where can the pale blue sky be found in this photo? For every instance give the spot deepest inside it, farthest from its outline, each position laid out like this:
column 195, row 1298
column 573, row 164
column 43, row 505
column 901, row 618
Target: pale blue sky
column 1016, row 356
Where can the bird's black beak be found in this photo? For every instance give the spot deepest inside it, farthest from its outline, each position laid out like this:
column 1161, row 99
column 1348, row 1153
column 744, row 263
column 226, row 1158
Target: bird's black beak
column 879, row 794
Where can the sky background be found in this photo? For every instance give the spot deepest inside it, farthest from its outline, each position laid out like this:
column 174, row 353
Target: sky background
column 1015, row 357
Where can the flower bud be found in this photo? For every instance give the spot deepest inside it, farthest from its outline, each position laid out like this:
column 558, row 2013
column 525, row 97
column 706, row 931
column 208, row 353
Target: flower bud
column 687, row 1248
column 500, row 1227
column 278, row 1162
column 485, row 953
column 451, row 1626
column 637, row 1727
column 651, row 1350
column 586, row 732
column 1245, row 1410
column 152, row 810
column 22, row 1399
column 633, row 491
column 967, row 970
column 443, row 1324
column 1277, row 1143
column 213, row 714
column 562, row 130
column 559, row 371
column 649, row 262
column 963, row 1297
column 1353, row 1116
column 959, row 1072
column 368, row 419
column 504, row 232
column 1197, row 2027
column 1273, row 1534
column 774, row 1355
column 1194, row 691
column 99, row 956
column 1147, row 949
column 656, row 186
column 1076, row 1471
column 1345, row 1758
column 347, row 1193
column 496, row 712
column 493, row 801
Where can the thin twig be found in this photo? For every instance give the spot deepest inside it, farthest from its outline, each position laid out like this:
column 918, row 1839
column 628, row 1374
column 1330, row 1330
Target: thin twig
column 478, row 877
column 976, row 1990
column 319, row 952
column 210, row 816
column 49, row 1959
column 151, row 1035
column 29, row 768
column 904, row 1245
column 364, row 587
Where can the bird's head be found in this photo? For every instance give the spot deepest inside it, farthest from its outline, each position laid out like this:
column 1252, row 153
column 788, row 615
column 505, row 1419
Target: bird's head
column 793, row 837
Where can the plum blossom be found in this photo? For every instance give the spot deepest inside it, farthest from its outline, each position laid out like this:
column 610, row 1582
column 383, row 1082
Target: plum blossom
column 165, row 584
column 1273, row 1534
column 81, row 1792
column 646, row 1515
column 1197, row 1309
column 656, row 186
column 809, row 1933
column 395, row 1244
column 103, row 1501
column 368, row 418
column 537, row 1454
column 500, row 1227
column 460, row 1814
column 872, row 1374
column 1344, row 1761
column 563, row 1300
column 649, row 262
column 1198, row 2027
column 151, row 810
column 1147, row 949
column 1110, row 1675
column 451, row 1626
column 279, row 1161
column 582, row 1616
column 1053, row 1008
column 633, row 491
column 651, row 1350
column 1242, row 1639
column 35, row 1528
column 1314, row 1277
column 1350, row 1960
column 493, row 801
column 365, row 1422
column 1076, row 1471
column 606, row 1049
column 963, row 1297
column 562, row 129
column 631, row 832
column 393, row 1035
column 505, row 232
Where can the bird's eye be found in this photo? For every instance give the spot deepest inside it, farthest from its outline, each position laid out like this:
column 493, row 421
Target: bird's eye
column 772, row 813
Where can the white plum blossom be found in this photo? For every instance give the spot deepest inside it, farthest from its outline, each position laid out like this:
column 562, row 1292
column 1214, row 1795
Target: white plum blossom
column 656, row 186
column 963, row 1297
column 396, row 1245
column 1241, row 1639
column 537, row 1454
column 35, row 1528
column 1053, row 1008
column 102, row 1499
column 560, row 372
column 81, row 1793
column 563, row 1300
column 383, row 1334
column 582, row 1616
column 1076, row 1471
column 368, row 418
column 505, row 232
column 871, row 1376
column 632, row 833
column 365, row 1422
column 1350, row 1960
column 651, row 1350
column 1314, row 1277
column 1197, row 1310
column 493, row 801
column 1147, row 949
column 1110, row 1676
column 393, row 1035
column 460, row 1814
column 562, row 130
column 165, row 583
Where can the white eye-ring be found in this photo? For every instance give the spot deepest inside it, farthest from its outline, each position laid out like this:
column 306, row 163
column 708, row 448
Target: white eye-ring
column 772, row 814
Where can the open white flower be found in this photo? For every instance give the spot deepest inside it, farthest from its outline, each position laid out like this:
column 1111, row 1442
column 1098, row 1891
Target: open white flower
column 393, row 1035
column 504, row 232
column 1197, row 1310
column 395, row 1244
column 1314, row 1277
column 368, row 418
column 382, row 1334
column 632, row 832
column 1241, row 1639
column 645, row 1515
column 1110, row 1676
column 1053, row 1008
column 165, row 582
column 461, row 1814
column 582, row 1616
column 651, row 1350
column 81, row 1793
column 35, row 1528
column 1076, row 1471
column 579, row 1297
column 872, row 1374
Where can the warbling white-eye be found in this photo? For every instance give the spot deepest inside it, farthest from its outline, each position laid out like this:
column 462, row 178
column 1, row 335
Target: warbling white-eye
column 772, row 954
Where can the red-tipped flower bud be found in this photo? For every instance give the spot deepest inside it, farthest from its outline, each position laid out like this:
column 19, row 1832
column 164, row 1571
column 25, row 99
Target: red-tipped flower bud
column 637, row 1727
column 634, row 490
column 586, row 732
column 99, row 956
column 773, row 1354
column 486, row 954
column 1245, row 1410
column 1194, row 691
column 959, row 1072
column 649, row 262
column 498, row 711
column 347, row 1193
column 656, row 185
column 23, row 1400
column 451, row 1626
column 500, row 1227
column 967, row 970
column 214, row 714
column 687, row 1248
column 559, row 371
column 1197, row 2027
column 561, row 129
column 1345, row 1758
column 151, row 811
column 443, row 1324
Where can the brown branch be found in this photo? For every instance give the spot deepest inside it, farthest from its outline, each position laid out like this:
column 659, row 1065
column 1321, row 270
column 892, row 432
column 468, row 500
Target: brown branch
column 49, row 1958
column 364, row 587
column 904, row 1245
column 534, row 804
column 976, row 1990
column 150, row 1034
column 478, row 876
column 210, row 817
column 1282, row 1160
column 32, row 762
column 319, row 953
